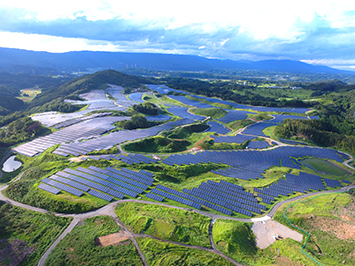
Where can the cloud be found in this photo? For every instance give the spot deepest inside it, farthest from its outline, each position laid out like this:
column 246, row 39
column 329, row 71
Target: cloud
column 234, row 29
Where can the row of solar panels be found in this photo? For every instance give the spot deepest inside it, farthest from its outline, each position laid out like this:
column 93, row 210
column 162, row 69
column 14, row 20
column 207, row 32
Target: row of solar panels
column 302, row 183
column 109, row 181
column 224, row 197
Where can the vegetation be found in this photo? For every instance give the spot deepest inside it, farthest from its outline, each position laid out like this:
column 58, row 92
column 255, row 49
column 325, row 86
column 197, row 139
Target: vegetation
column 35, row 169
column 329, row 219
column 209, row 144
column 160, row 253
column 79, row 248
column 259, row 117
column 20, row 130
column 235, row 239
column 146, row 108
column 235, row 125
column 177, row 140
column 323, row 166
column 323, row 132
column 231, row 92
column 214, row 113
column 25, row 235
column 165, row 223
column 136, row 121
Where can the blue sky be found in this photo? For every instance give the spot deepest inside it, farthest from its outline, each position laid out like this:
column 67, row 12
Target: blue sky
column 313, row 31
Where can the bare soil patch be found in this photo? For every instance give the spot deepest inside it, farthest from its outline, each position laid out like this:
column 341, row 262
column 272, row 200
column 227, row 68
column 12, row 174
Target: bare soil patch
column 341, row 229
column 14, row 252
column 111, row 239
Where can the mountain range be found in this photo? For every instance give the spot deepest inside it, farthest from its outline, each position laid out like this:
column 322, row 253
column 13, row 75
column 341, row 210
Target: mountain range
column 22, row 61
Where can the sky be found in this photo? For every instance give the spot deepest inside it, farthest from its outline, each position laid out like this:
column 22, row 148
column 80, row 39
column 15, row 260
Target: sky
column 313, row 31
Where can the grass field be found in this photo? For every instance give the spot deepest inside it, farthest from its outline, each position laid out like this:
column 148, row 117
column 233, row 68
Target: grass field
column 163, row 254
column 28, row 95
column 79, row 248
column 323, row 166
column 235, row 125
column 165, row 223
column 24, row 232
column 330, row 219
column 214, row 113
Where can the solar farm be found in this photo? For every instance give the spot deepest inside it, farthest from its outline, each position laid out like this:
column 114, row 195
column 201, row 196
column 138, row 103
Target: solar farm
column 108, row 177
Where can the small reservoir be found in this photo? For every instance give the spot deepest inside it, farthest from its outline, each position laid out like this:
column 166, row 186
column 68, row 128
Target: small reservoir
column 11, row 165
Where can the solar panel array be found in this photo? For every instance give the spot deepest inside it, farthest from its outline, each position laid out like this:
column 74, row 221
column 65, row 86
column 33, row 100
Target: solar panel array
column 154, row 196
column 256, row 129
column 78, row 120
column 136, row 97
column 174, row 195
column 251, row 162
column 346, row 181
column 48, row 188
column 259, row 144
column 302, row 183
column 224, row 197
column 233, row 115
column 332, row 183
column 233, row 139
column 114, row 138
column 183, row 113
column 102, row 183
column 85, row 130
column 217, row 128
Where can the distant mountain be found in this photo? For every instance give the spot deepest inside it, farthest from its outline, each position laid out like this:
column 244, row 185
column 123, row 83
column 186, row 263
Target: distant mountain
column 75, row 61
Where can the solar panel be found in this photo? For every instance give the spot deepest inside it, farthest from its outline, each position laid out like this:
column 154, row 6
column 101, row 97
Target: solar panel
column 66, row 188
column 47, row 188
column 155, row 197
column 100, row 195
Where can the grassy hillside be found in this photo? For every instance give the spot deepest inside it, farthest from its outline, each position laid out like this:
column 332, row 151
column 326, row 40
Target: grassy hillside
column 25, row 235
column 164, row 254
column 79, row 248
column 165, row 223
column 330, row 220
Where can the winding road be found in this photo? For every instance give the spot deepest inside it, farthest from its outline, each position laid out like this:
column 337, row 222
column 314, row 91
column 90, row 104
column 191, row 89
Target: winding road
column 109, row 210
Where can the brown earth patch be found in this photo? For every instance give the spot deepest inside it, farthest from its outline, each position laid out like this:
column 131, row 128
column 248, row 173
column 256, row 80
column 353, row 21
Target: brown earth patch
column 341, row 229
column 282, row 261
column 14, row 252
column 111, row 239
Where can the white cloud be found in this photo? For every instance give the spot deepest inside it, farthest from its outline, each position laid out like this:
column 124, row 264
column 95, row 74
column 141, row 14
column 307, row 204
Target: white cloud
column 260, row 19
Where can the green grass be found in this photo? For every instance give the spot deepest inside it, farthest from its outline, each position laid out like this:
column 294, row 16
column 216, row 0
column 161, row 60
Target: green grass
column 78, row 247
column 160, row 253
column 260, row 116
column 165, row 223
column 177, row 140
column 235, row 239
column 214, row 113
column 235, row 125
column 37, row 231
column 324, row 166
column 329, row 219
column 28, row 95
column 270, row 131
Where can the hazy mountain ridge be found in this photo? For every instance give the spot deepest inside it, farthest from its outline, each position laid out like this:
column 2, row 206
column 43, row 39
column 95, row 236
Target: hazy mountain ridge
column 75, row 61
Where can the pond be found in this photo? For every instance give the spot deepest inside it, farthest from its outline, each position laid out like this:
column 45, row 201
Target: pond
column 322, row 166
column 11, row 165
